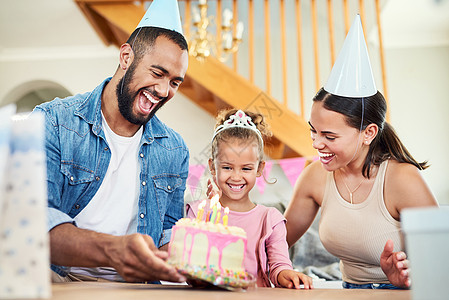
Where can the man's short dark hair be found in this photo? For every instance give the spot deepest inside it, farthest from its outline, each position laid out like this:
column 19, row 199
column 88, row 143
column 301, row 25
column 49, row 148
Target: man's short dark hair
column 143, row 38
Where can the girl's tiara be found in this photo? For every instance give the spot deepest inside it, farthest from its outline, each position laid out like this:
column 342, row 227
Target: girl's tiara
column 239, row 119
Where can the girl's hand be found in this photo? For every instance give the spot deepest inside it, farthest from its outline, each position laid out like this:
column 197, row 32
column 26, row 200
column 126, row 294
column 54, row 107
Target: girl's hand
column 211, row 191
column 395, row 266
column 291, row 279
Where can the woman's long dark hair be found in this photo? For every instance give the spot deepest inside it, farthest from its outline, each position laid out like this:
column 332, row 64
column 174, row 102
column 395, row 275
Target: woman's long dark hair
column 386, row 144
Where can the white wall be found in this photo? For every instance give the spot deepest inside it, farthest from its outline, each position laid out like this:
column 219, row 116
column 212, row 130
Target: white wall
column 77, row 69
column 419, row 105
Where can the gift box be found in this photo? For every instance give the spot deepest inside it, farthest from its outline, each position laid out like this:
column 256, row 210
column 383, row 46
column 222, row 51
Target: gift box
column 24, row 244
column 427, row 246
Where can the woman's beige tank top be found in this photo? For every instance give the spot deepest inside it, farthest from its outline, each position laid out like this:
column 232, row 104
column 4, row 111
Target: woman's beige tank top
column 357, row 233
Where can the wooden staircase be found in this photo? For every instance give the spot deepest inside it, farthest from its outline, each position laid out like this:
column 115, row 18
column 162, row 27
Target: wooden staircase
column 210, row 84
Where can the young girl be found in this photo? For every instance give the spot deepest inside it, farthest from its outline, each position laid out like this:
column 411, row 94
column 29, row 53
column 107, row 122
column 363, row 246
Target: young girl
column 237, row 160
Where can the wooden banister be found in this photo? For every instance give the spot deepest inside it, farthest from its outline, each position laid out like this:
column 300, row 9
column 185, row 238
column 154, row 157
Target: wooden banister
column 382, row 57
column 316, row 27
column 284, row 54
column 346, row 16
column 267, row 47
column 315, row 46
column 251, row 39
column 300, row 60
column 188, row 18
column 331, row 30
column 234, row 31
column 218, row 27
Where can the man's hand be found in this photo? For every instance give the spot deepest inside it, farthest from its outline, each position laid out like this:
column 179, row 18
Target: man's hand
column 137, row 259
column 291, row 279
column 395, row 266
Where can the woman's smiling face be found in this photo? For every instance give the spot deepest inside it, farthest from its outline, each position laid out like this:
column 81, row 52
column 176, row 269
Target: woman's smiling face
column 334, row 139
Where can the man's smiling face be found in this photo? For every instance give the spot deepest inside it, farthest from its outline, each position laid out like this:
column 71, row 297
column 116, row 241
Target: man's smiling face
column 151, row 81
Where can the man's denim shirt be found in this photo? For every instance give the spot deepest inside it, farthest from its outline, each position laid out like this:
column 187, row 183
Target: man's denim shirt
column 78, row 157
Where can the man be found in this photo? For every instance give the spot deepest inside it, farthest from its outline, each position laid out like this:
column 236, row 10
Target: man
column 116, row 173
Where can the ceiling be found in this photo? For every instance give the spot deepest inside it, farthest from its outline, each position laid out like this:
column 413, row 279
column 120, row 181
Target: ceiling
column 32, row 29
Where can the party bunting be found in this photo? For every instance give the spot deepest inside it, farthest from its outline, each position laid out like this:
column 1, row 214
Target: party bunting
column 195, row 173
column 292, row 167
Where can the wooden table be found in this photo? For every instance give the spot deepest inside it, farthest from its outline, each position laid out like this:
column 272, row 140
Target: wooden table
column 124, row 291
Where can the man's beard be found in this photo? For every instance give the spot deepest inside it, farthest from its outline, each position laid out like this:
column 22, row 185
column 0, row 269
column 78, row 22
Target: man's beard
column 126, row 99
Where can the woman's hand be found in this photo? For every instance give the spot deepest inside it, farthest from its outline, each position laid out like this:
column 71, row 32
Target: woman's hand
column 395, row 266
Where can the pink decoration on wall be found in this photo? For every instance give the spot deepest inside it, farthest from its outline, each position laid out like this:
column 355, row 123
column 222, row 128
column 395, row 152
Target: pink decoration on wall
column 260, row 181
column 292, row 167
column 195, row 173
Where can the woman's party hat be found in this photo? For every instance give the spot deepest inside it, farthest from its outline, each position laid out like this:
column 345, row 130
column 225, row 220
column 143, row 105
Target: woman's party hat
column 351, row 75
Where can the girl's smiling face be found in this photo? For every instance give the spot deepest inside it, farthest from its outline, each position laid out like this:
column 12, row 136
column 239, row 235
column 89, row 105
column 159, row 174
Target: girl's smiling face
column 338, row 144
column 235, row 169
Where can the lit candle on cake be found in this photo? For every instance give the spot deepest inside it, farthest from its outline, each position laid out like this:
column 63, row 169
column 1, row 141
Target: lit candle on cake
column 214, row 214
column 213, row 207
column 217, row 220
column 225, row 217
column 199, row 217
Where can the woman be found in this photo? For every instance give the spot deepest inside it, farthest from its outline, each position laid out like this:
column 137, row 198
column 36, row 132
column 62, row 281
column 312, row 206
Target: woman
column 363, row 180
column 380, row 167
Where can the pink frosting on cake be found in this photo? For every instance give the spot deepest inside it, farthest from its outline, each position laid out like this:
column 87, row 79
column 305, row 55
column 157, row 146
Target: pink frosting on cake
column 218, row 240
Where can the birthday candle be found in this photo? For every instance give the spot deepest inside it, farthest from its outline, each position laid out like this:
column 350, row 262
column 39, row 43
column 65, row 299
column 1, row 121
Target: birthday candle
column 217, row 220
column 215, row 199
column 225, row 217
column 214, row 213
column 201, row 210
column 213, row 208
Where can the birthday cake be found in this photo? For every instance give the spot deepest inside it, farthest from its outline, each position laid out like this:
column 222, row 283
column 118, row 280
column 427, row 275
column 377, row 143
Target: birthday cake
column 210, row 252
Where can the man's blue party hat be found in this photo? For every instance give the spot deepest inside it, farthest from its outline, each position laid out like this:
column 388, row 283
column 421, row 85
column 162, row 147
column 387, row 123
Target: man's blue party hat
column 162, row 14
